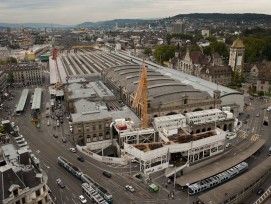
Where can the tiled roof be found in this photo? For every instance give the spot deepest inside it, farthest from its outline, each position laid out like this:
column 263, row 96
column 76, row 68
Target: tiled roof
column 238, row 44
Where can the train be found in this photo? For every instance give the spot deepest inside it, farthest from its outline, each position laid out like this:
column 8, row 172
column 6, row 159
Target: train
column 70, row 167
column 92, row 194
column 98, row 188
column 85, row 179
column 217, row 179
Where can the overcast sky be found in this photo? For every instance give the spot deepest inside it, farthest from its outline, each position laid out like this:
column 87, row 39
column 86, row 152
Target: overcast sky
column 78, row 11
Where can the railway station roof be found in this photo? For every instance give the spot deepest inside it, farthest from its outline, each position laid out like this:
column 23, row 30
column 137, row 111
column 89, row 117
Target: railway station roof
column 37, row 99
column 219, row 166
column 22, row 101
column 184, row 78
column 230, row 189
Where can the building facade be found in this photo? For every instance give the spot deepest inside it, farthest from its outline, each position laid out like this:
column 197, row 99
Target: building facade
column 237, row 54
column 3, row 83
column 22, row 180
column 24, row 74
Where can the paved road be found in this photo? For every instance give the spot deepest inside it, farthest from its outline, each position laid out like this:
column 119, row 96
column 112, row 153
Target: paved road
column 47, row 149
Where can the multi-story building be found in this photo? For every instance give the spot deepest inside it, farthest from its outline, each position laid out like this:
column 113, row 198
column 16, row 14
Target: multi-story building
column 21, row 179
column 25, row 73
column 237, row 52
column 4, row 53
column 3, row 83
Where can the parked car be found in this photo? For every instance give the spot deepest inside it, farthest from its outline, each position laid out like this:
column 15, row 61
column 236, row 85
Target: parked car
column 60, row 183
column 57, row 123
column 228, row 145
column 55, row 136
column 64, row 140
column 48, row 123
column 82, row 199
column 107, row 174
column 130, row 188
column 72, row 150
column 81, row 159
column 258, row 114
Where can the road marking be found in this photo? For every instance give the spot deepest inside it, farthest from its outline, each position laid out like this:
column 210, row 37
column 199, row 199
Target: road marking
column 67, row 187
column 73, row 195
column 73, row 201
column 38, row 151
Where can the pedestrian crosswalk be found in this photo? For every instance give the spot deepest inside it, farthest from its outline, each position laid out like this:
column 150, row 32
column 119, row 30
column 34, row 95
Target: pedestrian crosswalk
column 254, row 137
column 243, row 135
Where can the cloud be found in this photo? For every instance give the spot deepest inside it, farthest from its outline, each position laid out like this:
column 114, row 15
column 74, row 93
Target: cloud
column 74, row 12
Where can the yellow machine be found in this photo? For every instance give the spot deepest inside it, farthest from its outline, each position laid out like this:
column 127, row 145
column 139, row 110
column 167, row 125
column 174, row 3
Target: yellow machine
column 141, row 97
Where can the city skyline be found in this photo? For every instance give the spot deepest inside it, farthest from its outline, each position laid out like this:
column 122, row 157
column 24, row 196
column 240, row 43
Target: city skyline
column 69, row 12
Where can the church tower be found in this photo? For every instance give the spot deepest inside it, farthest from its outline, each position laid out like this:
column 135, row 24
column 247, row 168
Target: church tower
column 237, row 54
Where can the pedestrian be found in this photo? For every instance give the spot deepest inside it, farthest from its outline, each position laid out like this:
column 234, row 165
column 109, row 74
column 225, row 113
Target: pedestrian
column 166, row 185
column 168, row 195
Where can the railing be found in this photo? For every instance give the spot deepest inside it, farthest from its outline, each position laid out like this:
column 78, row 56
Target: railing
column 264, row 196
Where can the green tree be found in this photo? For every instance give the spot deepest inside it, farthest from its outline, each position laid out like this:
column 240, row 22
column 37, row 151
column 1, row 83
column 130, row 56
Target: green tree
column 2, row 128
column 11, row 60
column 163, row 53
column 10, row 78
column 220, row 48
column 194, row 48
column 237, row 78
column 207, row 51
column 147, row 51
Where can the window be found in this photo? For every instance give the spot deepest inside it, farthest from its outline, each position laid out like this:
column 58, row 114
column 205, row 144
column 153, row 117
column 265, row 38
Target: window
column 94, row 127
column 100, row 127
column 38, row 193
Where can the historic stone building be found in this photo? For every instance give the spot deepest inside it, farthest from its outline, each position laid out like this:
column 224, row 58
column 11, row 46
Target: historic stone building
column 166, row 96
column 24, row 74
column 237, row 52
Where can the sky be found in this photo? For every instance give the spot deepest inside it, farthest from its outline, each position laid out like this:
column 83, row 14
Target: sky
column 72, row 12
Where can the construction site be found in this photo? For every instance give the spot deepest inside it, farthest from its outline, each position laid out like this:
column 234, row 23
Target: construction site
column 119, row 101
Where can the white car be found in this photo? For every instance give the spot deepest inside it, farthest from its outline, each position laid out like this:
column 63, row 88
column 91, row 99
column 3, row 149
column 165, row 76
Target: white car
column 130, row 188
column 82, row 199
column 73, row 150
column 48, row 123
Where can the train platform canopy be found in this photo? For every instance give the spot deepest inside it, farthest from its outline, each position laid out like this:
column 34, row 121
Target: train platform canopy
column 236, row 186
column 22, row 101
column 54, row 73
column 219, row 166
column 37, row 99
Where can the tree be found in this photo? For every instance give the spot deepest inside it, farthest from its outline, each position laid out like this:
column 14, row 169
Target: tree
column 2, row 128
column 194, row 48
column 163, row 53
column 237, row 78
column 10, row 78
column 11, row 60
column 147, row 51
column 220, row 48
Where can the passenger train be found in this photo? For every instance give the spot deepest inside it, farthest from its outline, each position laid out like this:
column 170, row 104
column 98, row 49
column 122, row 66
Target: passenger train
column 86, row 180
column 217, row 179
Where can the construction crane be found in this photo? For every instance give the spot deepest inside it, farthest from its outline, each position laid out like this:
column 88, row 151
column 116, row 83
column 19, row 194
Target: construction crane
column 141, row 97
column 58, row 84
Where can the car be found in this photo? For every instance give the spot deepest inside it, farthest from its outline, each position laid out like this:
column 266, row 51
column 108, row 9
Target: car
column 71, row 130
column 72, row 150
column 81, row 159
column 260, row 191
column 64, row 140
column 258, row 114
column 82, row 199
column 130, row 188
column 228, row 145
column 107, row 174
column 60, row 183
column 57, row 124
column 48, row 123
column 55, row 136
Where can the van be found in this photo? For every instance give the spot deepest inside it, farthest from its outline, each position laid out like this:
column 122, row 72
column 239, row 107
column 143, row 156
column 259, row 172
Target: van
column 107, row 174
